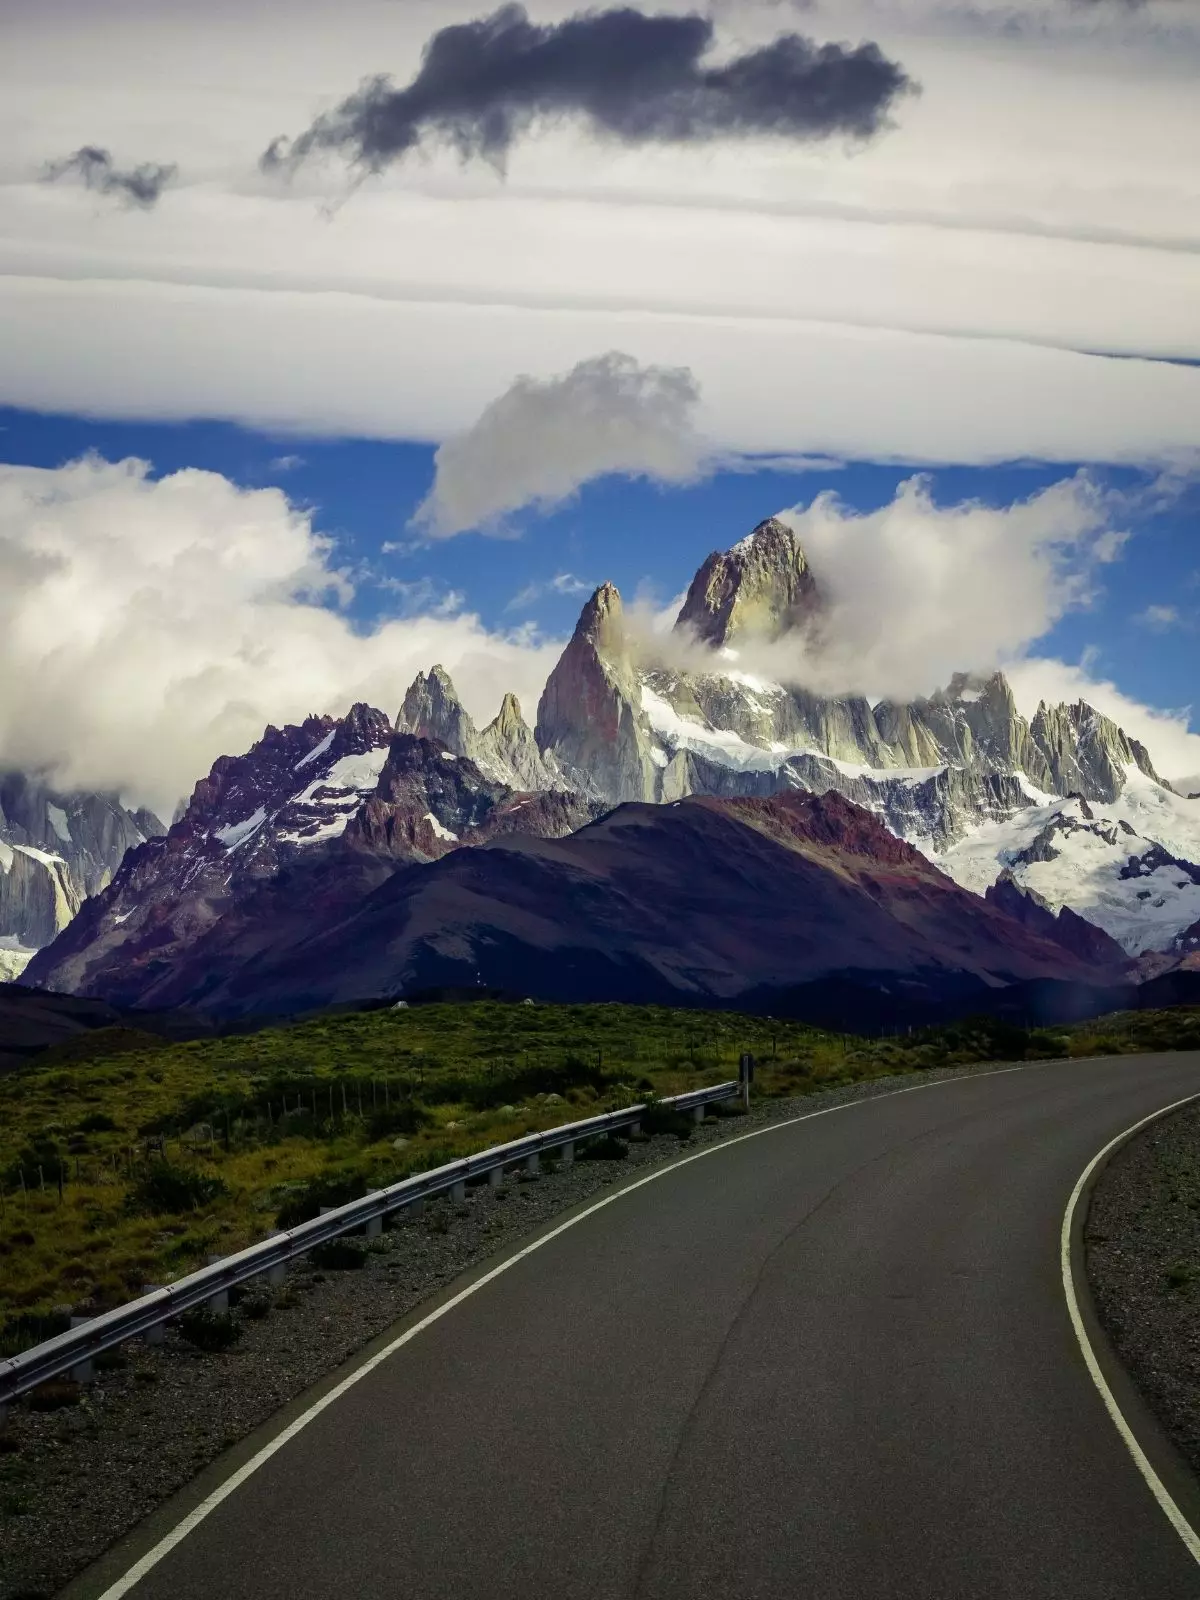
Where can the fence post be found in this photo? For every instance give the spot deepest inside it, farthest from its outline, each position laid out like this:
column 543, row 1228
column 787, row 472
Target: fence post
column 698, row 1113
column 495, row 1177
column 567, row 1152
column 374, row 1227
column 458, row 1191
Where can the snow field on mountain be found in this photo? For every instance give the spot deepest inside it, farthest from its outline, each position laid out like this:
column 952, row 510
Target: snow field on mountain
column 1144, row 911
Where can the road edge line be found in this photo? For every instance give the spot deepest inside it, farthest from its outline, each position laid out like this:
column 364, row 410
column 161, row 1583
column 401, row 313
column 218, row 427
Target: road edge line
column 163, row 1547
column 1071, row 1247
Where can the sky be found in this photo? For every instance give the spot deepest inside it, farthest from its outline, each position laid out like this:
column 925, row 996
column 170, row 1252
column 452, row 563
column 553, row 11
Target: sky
column 333, row 350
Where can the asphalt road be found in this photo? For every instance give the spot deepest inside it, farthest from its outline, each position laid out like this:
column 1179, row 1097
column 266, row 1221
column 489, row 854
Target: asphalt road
column 833, row 1360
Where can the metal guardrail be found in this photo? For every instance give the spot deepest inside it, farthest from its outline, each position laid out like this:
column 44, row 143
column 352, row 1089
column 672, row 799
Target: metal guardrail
column 72, row 1352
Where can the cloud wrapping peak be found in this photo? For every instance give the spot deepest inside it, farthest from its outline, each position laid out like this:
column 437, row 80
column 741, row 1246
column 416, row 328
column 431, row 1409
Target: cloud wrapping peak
column 136, row 186
column 542, row 439
column 915, row 591
column 641, row 79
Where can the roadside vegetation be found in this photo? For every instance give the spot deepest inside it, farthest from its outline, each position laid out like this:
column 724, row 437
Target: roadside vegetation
column 126, row 1161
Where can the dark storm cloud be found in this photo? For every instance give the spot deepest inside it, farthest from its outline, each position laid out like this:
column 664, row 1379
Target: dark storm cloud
column 137, row 186
column 638, row 78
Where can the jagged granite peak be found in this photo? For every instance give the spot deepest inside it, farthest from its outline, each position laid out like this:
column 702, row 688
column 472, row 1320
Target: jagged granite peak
column 762, row 588
column 589, row 715
column 432, row 710
column 1085, row 752
column 505, row 750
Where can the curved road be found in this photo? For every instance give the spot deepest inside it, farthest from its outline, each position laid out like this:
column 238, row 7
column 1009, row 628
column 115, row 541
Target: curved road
column 830, row 1360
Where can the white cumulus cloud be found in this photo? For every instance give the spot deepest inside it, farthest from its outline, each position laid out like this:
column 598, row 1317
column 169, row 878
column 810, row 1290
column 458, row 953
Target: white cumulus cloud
column 541, row 440
column 148, row 626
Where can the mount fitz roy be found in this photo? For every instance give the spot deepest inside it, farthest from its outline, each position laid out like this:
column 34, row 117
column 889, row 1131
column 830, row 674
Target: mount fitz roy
column 357, row 858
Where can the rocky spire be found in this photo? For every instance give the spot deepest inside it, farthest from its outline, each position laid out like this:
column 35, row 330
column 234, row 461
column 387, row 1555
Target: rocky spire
column 589, row 712
column 508, row 750
column 762, row 587
column 432, row 710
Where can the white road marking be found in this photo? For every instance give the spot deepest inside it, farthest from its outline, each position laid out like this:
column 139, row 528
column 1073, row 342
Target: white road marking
column 1157, row 1487
column 207, row 1506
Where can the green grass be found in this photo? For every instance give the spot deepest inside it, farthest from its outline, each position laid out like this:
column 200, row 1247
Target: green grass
column 167, row 1152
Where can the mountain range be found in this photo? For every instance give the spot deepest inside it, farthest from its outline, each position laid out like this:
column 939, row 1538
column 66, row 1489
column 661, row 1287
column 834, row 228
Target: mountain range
column 692, row 832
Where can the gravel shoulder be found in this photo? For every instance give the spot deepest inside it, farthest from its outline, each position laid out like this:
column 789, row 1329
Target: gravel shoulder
column 74, row 1480
column 1142, row 1252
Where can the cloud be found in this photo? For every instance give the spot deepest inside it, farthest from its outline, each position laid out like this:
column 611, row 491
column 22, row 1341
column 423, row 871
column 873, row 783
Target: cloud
column 136, row 186
column 148, row 626
column 563, row 583
column 916, row 591
column 1158, row 618
column 542, row 439
column 636, row 78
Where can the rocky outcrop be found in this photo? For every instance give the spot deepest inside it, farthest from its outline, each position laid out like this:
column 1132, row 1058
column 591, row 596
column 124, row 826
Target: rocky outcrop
column 762, row 588
column 1064, row 927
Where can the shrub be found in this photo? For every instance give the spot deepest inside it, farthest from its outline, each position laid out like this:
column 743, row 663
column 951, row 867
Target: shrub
column 1042, row 1043
column 209, row 1330
column 174, row 1189
column 334, row 1189
column 97, row 1122
column 609, row 1148
column 407, row 1117
column 659, row 1119
column 338, row 1255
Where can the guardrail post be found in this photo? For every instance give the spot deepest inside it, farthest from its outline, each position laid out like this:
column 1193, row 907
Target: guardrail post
column 458, row 1191
column 634, row 1129
column 83, row 1371
column 374, row 1227
column 217, row 1303
column 698, row 1113
column 495, row 1177
column 567, row 1152
column 415, row 1207
column 533, row 1162
column 158, row 1333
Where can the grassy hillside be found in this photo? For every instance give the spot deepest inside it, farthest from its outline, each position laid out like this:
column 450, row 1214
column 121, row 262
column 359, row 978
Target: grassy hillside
column 125, row 1160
